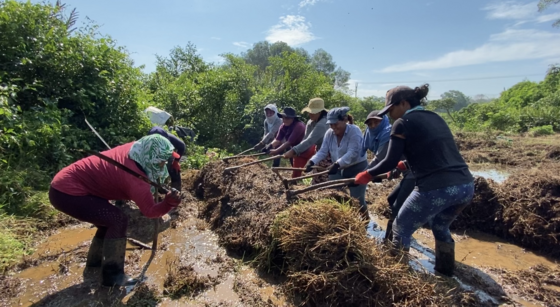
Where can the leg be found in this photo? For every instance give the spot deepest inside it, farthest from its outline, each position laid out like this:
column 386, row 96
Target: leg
column 276, row 163
column 301, row 160
column 445, row 246
column 95, row 253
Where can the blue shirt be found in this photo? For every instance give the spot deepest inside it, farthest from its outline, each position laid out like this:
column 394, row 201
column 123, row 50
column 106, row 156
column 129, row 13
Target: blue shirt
column 345, row 154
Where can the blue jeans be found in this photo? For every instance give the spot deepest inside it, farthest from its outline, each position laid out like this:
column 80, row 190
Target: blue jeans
column 441, row 206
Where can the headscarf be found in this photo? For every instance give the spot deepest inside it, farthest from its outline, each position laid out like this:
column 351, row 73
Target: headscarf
column 270, row 120
column 377, row 137
column 149, row 152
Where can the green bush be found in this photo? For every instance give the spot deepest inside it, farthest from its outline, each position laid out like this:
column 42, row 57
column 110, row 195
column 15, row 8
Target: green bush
column 541, row 130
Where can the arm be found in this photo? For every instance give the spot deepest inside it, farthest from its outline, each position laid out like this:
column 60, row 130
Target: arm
column 394, row 154
column 178, row 144
column 141, row 195
column 354, row 148
column 312, row 139
column 380, row 155
column 324, row 150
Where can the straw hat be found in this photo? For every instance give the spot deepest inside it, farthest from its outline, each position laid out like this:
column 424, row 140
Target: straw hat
column 315, row 106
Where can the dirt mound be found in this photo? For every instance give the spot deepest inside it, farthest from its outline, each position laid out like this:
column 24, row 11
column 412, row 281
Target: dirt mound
column 468, row 141
column 241, row 205
column 484, row 210
column 330, row 261
column 376, row 197
column 531, row 208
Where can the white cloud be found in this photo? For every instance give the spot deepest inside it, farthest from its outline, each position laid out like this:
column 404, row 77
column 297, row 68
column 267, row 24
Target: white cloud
column 548, row 17
column 292, row 30
column 305, row 3
column 215, row 38
column 511, row 10
column 510, row 45
column 242, row 44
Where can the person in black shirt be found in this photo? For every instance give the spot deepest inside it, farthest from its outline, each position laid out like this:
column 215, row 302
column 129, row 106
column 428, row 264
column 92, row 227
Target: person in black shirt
column 444, row 185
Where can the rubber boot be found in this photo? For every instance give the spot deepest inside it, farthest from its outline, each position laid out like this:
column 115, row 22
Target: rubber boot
column 95, row 253
column 445, row 257
column 389, row 232
column 113, row 264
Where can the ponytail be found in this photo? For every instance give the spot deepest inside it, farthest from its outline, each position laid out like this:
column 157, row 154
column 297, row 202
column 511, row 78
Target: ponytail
column 350, row 119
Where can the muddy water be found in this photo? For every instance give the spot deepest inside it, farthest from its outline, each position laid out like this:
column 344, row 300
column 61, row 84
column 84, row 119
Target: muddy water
column 477, row 251
column 497, row 175
column 192, row 243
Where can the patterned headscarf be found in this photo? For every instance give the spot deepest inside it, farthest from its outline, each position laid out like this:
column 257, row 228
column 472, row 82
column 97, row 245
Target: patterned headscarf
column 149, row 152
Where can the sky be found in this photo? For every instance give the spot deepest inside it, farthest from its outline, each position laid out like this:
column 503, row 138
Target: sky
column 476, row 47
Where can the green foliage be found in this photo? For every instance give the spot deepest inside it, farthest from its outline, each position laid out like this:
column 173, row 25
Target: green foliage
column 198, row 156
column 541, row 130
column 544, row 4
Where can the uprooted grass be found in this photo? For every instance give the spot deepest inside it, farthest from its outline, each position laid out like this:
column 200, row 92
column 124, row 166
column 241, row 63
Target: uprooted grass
column 538, row 284
column 330, row 261
column 182, row 280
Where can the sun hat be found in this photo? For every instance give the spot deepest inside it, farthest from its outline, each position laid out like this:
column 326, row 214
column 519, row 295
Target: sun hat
column 315, row 106
column 288, row 113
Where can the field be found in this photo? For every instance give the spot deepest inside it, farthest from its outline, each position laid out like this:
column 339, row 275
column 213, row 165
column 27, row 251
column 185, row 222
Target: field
column 238, row 241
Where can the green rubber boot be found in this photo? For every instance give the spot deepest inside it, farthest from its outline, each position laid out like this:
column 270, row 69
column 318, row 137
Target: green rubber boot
column 95, row 253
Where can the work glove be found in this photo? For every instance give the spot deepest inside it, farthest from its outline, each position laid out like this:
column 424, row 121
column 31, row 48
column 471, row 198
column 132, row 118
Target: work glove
column 394, row 174
column 402, row 166
column 173, row 198
column 334, row 169
column 308, row 166
column 363, row 178
column 266, row 149
column 176, row 166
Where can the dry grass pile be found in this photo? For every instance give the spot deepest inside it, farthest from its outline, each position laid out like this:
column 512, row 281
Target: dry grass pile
column 240, row 206
column 537, row 284
column 182, row 280
column 484, row 210
column 330, row 261
column 531, row 209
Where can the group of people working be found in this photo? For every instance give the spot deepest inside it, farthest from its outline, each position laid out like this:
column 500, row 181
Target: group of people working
column 436, row 186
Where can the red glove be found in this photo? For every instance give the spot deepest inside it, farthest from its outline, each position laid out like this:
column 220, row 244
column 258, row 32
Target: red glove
column 176, row 166
column 173, row 199
column 363, row 178
column 401, row 166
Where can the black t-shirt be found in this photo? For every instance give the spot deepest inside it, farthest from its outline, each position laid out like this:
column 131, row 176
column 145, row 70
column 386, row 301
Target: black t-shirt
column 431, row 151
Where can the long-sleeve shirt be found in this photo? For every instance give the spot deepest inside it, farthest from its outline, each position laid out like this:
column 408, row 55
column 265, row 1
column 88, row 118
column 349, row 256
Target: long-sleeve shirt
column 345, row 154
column 93, row 176
column 270, row 132
column 314, row 132
column 293, row 133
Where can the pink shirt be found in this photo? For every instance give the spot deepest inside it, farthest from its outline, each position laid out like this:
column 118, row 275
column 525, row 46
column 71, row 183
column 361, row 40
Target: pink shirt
column 293, row 133
column 93, row 176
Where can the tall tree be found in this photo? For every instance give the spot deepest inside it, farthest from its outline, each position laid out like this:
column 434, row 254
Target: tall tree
column 323, row 62
column 461, row 100
column 447, row 104
column 341, row 78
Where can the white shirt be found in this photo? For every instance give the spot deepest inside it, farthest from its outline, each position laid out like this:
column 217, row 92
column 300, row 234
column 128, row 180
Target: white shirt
column 345, row 154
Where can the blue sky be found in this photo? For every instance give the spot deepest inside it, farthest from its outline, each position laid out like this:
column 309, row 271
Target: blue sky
column 452, row 44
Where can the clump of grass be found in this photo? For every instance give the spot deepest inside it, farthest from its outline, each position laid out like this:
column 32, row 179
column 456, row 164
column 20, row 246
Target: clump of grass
column 182, row 280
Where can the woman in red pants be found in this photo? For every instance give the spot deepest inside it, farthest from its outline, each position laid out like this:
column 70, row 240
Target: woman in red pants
column 84, row 188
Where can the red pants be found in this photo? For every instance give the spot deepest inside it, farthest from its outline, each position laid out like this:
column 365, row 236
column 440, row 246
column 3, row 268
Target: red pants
column 301, row 160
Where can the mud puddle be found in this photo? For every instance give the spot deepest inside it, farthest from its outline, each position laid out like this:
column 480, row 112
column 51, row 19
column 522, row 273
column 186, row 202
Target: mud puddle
column 57, row 279
column 477, row 253
column 498, row 174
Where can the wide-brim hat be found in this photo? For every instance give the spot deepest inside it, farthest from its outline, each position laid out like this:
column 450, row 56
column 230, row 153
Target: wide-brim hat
column 288, row 112
column 315, row 106
column 394, row 96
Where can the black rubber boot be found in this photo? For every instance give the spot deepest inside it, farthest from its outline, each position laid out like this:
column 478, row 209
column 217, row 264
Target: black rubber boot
column 113, row 264
column 445, row 258
column 389, row 232
column 95, row 253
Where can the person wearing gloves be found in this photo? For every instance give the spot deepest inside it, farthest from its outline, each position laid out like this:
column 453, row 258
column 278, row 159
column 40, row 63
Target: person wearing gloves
column 173, row 166
column 84, row 188
column 376, row 139
column 343, row 142
column 289, row 135
column 313, row 138
column 272, row 123
column 444, row 184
